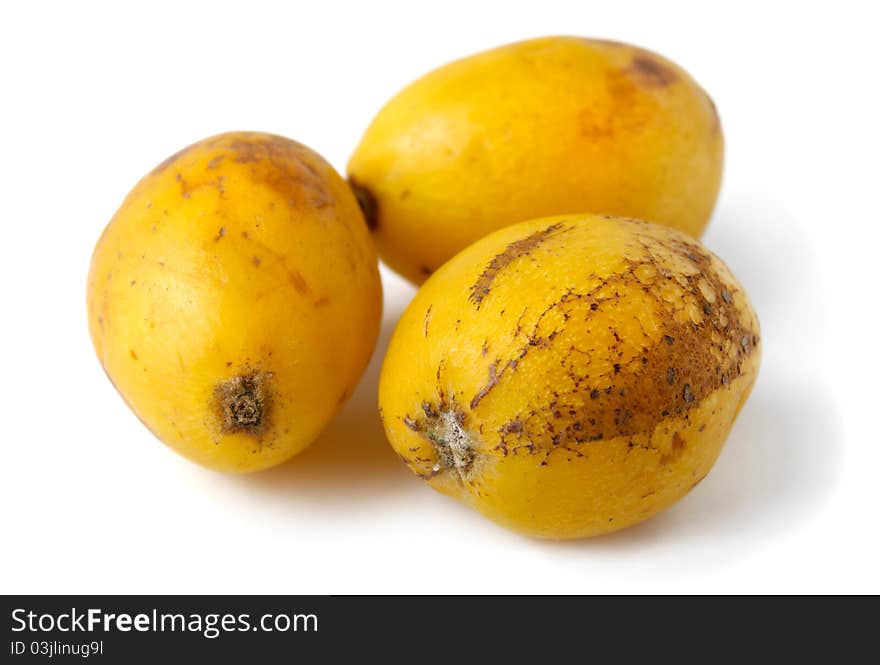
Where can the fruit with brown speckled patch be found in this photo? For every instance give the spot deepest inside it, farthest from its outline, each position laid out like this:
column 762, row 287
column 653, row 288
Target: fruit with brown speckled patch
column 591, row 384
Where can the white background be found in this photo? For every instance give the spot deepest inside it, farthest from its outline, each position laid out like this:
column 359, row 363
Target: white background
column 92, row 97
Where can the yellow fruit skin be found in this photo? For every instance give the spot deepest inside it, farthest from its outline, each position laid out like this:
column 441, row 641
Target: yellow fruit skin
column 234, row 299
column 570, row 376
column 543, row 127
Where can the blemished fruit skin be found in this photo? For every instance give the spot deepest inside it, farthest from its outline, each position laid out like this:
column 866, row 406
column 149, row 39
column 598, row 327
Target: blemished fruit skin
column 543, row 127
column 234, row 299
column 570, row 376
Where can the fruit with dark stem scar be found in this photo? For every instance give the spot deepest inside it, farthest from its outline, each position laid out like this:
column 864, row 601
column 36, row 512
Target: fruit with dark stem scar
column 542, row 127
column 571, row 376
column 223, row 294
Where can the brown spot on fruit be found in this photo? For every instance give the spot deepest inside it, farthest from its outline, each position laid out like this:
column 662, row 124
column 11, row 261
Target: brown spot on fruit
column 299, row 282
column 483, row 286
column 242, row 403
column 493, row 379
column 677, row 448
column 215, row 161
column 367, row 202
column 283, row 165
column 652, row 72
column 514, row 427
column 678, row 443
column 428, row 318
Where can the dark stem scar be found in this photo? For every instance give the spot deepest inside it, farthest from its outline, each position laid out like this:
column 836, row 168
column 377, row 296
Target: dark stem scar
column 443, row 426
column 242, row 403
column 367, row 201
column 483, row 286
